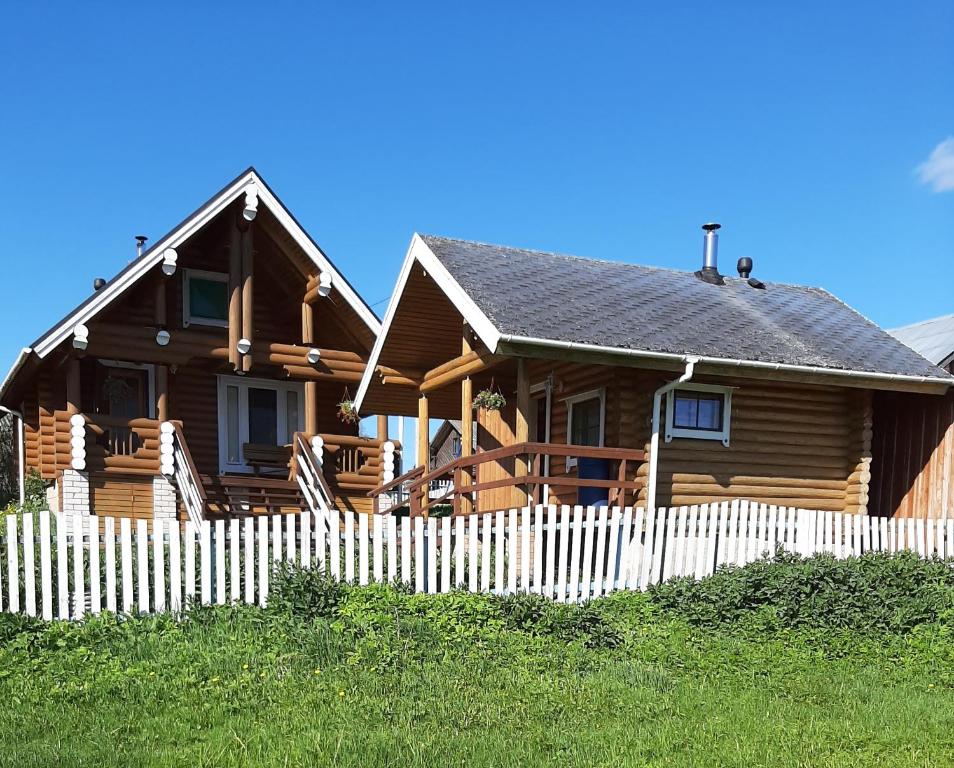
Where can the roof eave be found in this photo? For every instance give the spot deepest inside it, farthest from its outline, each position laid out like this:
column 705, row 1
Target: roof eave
column 510, row 343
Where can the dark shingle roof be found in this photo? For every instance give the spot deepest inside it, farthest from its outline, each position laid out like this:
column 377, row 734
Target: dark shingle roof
column 586, row 301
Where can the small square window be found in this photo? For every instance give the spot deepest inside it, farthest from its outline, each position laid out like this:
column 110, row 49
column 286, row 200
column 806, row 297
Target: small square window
column 699, row 411
column 205, row 298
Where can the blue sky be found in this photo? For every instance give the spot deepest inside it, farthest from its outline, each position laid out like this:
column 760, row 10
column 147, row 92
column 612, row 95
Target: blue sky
column 598, row 129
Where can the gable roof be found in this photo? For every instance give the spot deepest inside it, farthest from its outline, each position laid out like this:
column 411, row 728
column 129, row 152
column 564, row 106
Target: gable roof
column 518, row 297
column 933, row 339
column 188, row 227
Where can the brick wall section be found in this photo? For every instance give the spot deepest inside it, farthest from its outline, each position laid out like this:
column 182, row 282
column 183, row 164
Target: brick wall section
column 164, row 501
column 75, row 488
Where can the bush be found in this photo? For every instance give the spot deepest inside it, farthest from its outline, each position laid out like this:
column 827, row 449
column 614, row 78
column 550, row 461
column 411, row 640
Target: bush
column 305, row 593
column 878, row 591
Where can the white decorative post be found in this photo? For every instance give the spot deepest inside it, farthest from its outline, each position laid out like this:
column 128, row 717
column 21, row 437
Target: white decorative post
column 388, row 465
column 318, row 448
column 75, row 480
column 167, row 464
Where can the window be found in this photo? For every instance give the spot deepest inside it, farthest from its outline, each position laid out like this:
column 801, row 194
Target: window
column 455, row 446
column 205, row 298
column 699, row 411
column 256, row 411
column 585, row 416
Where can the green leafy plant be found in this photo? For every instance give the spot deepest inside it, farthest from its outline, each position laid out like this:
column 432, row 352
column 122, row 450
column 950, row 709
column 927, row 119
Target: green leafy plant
column 489, row 400
column 347, row 412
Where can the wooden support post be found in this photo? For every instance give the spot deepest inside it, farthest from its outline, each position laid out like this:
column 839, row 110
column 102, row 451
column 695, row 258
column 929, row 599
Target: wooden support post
column 73, row 386
column 162, row 392
column 311, row 387
column 235, row 297
column 382, row 427
column 160, row 302
column 522, row 422
column 466, row 424
column 248, row 295
column 423, row 441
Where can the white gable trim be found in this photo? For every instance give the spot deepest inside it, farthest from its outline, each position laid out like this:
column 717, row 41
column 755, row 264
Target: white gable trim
column 115, row 287
column 418, row 251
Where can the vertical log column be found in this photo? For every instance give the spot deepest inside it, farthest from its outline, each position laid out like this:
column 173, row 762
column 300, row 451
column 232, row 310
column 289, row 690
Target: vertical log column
column 311, row 387
column 248, row 295
column 73, row 386
column 423, row 441
column 235, row 297
column 522, row 426
column 162, row 392
column 466, row 427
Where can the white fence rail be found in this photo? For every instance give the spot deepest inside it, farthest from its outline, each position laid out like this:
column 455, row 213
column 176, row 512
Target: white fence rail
column 63, row 568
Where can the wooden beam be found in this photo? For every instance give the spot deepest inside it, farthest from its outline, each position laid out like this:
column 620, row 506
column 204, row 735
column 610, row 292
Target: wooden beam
column 160, row 302
column 162, row 393
column 423, row 440
column 382, row 427
column 466, row 423
column 456, row 369
column 73, row 386
column 311, row 408
column 235, row 296
column 522, row 421
column 248, row 295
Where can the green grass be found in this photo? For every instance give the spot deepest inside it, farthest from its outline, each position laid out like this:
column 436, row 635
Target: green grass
column 390, row 679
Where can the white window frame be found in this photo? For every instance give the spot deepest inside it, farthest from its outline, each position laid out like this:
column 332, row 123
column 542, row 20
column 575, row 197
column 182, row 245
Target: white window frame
column 187, row 317
column 578, row 398
column 243, row 383
column 700, row 434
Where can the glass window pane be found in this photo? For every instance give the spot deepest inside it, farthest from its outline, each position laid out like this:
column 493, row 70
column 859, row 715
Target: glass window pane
column 685, row 412
column 232, row 423
column 208, row 298
column 262, row 416
column 710, row 413
column 585, row 429
column 291, row 414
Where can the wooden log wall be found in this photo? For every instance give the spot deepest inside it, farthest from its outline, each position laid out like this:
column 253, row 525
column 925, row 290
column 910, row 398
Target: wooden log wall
column 120, row 495
column 912, row 473
column 796, row 445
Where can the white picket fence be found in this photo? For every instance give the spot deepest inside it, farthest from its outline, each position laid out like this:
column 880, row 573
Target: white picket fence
column 64, row 568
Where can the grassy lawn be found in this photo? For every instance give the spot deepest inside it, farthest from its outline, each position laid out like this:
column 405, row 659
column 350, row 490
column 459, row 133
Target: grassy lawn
column 390, row 679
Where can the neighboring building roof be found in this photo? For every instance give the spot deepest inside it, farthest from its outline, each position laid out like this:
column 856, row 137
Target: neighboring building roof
column 446, row 427
column 515, row 298
column 933, row 339
column 551, row 296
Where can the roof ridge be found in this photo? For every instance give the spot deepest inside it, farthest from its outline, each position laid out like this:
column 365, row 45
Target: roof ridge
column 611, row 262
column 919, row 323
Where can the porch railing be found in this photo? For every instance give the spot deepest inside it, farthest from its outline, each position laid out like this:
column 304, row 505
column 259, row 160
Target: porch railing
column 308, row 473
column 176, row 463
column 109, row 443
column 463, row 481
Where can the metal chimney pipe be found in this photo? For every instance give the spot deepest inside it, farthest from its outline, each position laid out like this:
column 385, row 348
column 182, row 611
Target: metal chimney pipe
column 140, row 241
column 710, row 248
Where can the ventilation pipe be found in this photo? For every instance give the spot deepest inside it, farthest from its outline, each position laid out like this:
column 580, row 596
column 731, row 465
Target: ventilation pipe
column 140, row 242
column 654, row 440
column 710, row 255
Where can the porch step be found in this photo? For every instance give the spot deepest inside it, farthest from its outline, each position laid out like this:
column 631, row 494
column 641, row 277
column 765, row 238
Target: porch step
column 231, row 495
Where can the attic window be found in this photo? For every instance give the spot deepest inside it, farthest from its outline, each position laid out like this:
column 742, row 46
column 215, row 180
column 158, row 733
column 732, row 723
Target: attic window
column 205, row 298
column 700, row 412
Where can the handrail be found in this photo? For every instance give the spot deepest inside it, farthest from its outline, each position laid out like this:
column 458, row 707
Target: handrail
column 187, row 454
column 532, row 475
column 314, row 487
column 517, row 449
column 396, row 481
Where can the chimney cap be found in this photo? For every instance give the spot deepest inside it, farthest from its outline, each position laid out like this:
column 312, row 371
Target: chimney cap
column 98, row 283
column 711, row 226
column 744, row 266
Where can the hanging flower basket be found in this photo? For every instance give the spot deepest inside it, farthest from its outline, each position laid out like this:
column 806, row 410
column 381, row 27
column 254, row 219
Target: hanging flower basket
column 489, row 400
column 347, row 412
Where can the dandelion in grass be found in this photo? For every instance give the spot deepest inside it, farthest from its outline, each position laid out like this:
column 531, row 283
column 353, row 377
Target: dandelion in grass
column 341, row 694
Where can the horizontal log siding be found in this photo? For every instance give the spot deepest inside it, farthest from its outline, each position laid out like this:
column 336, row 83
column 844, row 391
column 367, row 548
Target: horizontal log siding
column 790, row 444
column 120, row 495
column 193, row 399
column 912, row 455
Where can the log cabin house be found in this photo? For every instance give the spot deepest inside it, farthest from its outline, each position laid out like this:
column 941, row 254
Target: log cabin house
column 633, row 385
column 184, row 385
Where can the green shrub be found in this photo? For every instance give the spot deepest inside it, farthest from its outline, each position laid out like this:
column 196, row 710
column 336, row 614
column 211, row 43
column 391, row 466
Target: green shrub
column 874, row 592
column 305, row 592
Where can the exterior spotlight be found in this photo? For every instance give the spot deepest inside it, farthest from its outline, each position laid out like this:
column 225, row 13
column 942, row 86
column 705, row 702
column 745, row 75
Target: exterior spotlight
column 313, row 356
column 324, row 284
column 169, row 258
column 163, row 337
column 80, row 336
column 251, row 202
column 244, row 346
